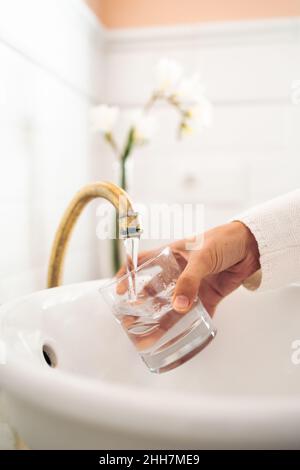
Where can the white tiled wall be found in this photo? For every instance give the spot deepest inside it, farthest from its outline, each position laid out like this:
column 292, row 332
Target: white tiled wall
column 51, row 71
column 252, row 152
column 56, row 61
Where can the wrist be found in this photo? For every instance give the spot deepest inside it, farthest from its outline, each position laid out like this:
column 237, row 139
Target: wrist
column 248, row 239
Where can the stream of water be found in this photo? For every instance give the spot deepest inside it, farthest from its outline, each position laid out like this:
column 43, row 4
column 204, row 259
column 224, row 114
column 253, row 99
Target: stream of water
column 131, row 246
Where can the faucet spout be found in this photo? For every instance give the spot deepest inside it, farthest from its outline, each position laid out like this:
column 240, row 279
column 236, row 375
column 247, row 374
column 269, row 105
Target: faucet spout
column 129, row 225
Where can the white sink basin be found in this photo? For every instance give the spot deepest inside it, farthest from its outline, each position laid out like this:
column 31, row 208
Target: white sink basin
column 242, row 391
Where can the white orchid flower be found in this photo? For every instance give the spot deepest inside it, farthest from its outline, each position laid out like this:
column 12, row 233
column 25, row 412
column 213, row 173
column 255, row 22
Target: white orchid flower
column 144, row 125
column 104, row 118
column 190, row 89
column 167, row 74
column 198, row 117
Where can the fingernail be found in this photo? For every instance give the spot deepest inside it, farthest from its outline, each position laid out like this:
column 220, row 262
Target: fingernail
column 181, row 302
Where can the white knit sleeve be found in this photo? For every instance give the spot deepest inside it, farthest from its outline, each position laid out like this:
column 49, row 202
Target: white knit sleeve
column 276, row 227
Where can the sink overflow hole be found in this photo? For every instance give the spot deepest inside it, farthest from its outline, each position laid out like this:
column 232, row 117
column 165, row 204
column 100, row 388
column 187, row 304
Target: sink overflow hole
column 49, row 355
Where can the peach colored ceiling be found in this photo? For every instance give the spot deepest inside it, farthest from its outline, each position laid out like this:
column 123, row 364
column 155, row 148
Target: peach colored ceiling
column 131, row 13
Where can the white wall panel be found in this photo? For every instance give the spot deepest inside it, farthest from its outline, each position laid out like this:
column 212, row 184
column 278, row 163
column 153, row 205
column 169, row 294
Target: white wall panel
column 51, row 70
column 252, row 151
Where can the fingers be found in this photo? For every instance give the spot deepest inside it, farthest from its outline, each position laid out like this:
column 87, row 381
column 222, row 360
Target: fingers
column 122, row 286
column 188, row 284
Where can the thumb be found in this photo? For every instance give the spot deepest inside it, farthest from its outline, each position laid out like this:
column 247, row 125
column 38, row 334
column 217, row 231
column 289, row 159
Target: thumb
column 188, row 283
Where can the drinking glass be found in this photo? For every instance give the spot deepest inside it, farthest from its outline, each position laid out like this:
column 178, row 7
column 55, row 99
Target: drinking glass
column 141, row 301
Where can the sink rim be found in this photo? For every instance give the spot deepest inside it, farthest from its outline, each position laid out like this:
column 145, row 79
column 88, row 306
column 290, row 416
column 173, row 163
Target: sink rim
column 123, row 406
column 119, row 405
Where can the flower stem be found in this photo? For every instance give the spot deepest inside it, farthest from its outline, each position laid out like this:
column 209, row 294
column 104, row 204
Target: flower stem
column 123, row 176
column 151, row 102
column 116, row 252
column 128, row 147
column 116, row 248
column 111, row 141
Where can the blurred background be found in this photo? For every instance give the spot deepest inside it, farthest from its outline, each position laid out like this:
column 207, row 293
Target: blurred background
column 59, row 58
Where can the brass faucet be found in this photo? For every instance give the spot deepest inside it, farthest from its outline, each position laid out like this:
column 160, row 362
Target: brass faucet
column 129, row 225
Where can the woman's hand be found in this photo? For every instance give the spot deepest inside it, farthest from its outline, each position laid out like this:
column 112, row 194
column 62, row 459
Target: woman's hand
column 227, row 256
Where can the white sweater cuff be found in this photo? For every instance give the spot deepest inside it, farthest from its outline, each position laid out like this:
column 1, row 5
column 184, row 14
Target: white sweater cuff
column 276, row 227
